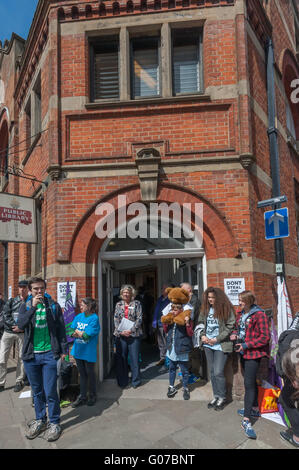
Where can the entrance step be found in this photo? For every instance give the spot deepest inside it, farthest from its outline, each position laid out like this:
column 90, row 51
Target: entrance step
column 155, row 390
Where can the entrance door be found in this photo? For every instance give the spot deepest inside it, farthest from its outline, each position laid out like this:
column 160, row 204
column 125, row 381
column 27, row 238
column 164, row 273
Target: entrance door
column 107, row 326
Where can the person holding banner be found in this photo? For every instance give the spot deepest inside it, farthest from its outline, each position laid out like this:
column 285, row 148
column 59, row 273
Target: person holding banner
column 86, row 329
column 251, row 337
column 128, row 331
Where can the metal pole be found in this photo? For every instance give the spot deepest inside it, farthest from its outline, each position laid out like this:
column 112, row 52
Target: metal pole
column 273, row 144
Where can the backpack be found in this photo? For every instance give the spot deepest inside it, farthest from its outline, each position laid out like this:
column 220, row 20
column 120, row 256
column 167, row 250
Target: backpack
column 284, row 343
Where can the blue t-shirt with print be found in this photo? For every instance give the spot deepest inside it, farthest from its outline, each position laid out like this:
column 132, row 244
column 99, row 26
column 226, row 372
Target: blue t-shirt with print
column 86, row 349
column 212, row 330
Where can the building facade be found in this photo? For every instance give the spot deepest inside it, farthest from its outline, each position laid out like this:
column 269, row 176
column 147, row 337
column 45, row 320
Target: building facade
column 152, row 101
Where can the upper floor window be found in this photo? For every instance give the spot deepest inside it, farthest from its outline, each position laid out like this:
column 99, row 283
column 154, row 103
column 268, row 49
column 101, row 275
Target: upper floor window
column 186, row 61
column 145, row 66
column 105, row 69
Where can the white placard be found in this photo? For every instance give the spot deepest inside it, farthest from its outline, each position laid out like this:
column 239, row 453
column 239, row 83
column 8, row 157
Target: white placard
column 61, row 293
column 17, row 219
column 233, row 287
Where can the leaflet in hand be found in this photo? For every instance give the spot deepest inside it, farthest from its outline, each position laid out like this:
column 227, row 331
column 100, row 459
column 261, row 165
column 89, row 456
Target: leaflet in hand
column 125, row 324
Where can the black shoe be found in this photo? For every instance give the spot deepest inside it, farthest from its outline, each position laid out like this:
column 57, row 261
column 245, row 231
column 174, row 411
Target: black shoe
column 18, row 387
column 91, row 401
column 171, row 391
column 79, row 402
column 288, row 436
column 136, row 386
column 2, row 388
column 186, row 394
column 26, row 382
column 221, row 402
column 212, row 403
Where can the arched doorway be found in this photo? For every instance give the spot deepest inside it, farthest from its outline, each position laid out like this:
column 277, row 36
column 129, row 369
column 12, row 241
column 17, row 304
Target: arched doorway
column 147, row 263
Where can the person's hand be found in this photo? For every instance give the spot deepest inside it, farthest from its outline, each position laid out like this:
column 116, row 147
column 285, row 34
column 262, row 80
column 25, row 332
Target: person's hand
column 126, row 333
column 39, row 299
column 187, row 320
column 212, row 341
column 205, row 340
column 239, row 348
column 63, row 356
column 16, row 329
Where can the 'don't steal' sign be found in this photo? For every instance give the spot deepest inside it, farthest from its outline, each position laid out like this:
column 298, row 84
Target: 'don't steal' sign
column 233, row 287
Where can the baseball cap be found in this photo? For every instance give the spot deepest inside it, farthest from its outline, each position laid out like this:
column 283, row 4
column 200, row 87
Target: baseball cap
column 23, row 283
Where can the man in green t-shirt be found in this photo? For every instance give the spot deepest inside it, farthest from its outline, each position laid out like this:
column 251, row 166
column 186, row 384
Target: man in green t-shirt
column 44, row 343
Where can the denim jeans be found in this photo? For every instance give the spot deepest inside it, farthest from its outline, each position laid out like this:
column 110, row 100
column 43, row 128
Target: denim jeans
column 42, row 375
column 124, row 347
column 216, row 361
column 184, row 369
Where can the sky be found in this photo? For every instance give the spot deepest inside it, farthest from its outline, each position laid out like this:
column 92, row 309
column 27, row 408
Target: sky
column 16, row 16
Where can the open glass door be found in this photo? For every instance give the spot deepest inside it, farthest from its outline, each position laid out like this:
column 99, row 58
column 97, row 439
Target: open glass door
column 107, row 318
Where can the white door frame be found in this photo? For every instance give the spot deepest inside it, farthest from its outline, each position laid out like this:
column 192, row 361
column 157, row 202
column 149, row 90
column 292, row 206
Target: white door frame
column 140, row 254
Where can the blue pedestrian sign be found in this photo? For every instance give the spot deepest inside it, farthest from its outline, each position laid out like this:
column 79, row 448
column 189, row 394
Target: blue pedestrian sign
column 276, row 223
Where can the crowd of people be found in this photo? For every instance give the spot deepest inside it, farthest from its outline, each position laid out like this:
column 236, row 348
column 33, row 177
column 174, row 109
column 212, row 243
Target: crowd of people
column 35, row 322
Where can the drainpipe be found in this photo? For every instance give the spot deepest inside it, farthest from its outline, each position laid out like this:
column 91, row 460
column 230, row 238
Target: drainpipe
column 273, row 144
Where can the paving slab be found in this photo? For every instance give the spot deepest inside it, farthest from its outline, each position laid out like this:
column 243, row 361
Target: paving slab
column 142, row 418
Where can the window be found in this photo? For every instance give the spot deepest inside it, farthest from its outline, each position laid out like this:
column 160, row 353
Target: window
column 37, row 107
column 145, row 59
column 105, row 69
column 186, row 61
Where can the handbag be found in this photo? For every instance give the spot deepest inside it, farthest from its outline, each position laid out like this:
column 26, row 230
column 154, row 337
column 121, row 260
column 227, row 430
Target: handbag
column 267, row 398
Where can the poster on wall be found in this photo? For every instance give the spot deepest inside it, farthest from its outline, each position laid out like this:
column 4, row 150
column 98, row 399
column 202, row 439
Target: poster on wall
column 61, row 293
column 17, row 219
column 233, row 287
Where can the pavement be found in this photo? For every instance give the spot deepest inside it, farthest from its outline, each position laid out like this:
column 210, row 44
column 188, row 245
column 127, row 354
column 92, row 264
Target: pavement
column 142, row 418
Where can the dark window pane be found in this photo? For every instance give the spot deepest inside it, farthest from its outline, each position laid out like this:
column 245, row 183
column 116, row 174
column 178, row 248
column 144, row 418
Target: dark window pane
column 106, row 72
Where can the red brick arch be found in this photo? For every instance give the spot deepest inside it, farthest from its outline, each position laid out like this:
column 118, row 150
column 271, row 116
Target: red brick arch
column 218, row 238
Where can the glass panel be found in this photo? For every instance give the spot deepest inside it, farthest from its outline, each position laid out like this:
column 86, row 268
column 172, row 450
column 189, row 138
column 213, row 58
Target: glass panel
column 106, row 72
column 186, row 69
column 145, row 69
column 159, row 243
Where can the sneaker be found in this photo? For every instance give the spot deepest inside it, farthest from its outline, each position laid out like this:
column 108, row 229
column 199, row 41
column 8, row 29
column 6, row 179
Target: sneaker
column 246, row 425
column 220, row 404
column 288, row 436
column 18, row 387
column 186, row 394
column 53, row 432
column 171, row 391
column 91, row 401
column 79, row 402
column 212, row 403
column 253, row 413
column 35, row 428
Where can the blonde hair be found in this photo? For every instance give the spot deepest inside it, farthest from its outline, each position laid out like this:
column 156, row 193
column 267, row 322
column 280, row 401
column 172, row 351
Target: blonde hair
column 130, row 288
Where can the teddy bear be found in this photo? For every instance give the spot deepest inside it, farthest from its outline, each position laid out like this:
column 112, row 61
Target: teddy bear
column 177, row 295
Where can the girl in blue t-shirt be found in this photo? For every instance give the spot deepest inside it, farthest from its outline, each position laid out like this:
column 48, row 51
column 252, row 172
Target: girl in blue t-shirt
column 86, row 328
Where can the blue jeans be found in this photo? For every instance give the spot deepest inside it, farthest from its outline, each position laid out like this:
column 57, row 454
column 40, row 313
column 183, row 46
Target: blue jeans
column 216, row 361
column 184, row 369
column 125, row 346
column 42, row 375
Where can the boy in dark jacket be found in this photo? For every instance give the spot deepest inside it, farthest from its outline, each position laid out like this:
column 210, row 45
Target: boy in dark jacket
column 44, row 343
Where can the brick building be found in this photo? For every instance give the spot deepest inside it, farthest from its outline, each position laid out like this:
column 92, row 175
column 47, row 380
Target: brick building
column 151, row 101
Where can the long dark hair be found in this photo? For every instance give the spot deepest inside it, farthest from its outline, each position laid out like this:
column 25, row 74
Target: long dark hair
column 222, row 306
column 290, row 366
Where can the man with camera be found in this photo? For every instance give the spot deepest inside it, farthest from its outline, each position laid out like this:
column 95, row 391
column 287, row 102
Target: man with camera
column 44, row 343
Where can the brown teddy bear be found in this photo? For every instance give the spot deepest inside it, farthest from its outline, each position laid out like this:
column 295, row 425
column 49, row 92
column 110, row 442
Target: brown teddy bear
column 180, row 296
